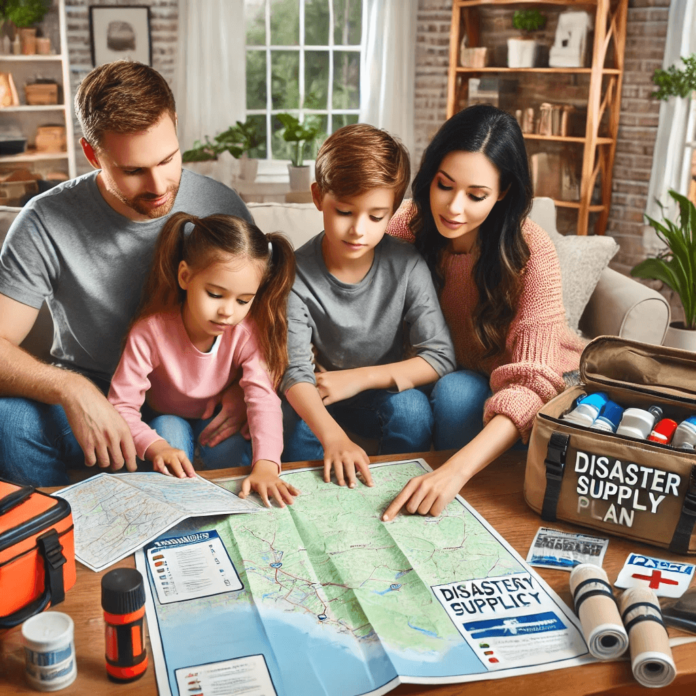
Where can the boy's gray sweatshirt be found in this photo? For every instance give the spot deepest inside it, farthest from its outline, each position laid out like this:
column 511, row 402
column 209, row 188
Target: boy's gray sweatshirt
column 369, row 323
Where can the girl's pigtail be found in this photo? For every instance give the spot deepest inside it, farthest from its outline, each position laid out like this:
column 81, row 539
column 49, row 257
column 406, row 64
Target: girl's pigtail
column 269, row 309
column 162, row 291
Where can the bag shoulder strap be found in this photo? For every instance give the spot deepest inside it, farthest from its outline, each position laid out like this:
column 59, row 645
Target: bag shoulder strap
column 687, row 519
column 555, row 466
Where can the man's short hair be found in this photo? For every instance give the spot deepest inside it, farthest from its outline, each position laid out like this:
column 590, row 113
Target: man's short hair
column 359, row 158
column 122, row 97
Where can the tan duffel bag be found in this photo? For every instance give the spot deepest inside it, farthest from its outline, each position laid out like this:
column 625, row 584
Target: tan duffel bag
column 614, row 484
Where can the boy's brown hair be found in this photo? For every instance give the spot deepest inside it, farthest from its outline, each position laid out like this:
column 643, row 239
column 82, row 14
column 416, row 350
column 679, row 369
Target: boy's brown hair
column 359, row 158
column 122, row 97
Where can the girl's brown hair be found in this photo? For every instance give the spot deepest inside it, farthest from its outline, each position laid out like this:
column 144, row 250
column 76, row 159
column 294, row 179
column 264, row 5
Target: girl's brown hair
column 208, row 240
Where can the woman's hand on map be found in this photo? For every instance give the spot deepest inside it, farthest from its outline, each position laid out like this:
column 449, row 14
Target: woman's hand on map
column 429, row 493
column 344, row 456
column 168, row 460
column 265, row 481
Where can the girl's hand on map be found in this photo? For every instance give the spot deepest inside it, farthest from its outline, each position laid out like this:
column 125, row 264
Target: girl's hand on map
column 344, row 456
column 264, row 480
column 169, row 460
column 429, row 493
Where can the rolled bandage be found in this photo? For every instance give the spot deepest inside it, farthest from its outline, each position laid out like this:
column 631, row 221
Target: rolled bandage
column 651, row 656
column 599, row 616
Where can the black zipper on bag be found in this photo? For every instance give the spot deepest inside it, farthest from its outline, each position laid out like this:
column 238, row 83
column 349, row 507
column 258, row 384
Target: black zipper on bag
column 34, row 525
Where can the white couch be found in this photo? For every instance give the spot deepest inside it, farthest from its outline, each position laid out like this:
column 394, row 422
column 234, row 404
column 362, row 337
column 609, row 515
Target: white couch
column 618, row 305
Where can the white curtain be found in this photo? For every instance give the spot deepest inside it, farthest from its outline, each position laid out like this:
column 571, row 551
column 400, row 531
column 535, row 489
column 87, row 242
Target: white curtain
column 670, row 168
column 210, row 76
column 388, row 66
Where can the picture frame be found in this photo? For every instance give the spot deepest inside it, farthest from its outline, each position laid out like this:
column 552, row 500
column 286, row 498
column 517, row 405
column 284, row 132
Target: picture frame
column 120, row 32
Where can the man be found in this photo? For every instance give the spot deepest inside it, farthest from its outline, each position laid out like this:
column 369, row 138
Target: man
column 85, row 248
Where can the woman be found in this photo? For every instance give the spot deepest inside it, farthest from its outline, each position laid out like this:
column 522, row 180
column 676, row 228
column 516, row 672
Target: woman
column 499, row 284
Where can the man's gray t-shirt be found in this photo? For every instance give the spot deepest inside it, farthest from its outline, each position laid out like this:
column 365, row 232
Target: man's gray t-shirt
column 366, row 323
column 89, row 263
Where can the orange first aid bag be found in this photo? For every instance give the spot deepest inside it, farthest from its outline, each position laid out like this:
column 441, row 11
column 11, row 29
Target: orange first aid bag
column 37, row 552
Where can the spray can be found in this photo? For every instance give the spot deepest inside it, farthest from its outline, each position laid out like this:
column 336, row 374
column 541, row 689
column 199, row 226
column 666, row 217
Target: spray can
column 663, row 431
column 609, row 418
column 587, row 409
column 685, row 434
column 638, row 423
column 123, row 602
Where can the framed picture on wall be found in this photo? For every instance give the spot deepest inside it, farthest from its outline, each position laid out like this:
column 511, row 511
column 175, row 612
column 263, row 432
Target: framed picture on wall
column 120, row 32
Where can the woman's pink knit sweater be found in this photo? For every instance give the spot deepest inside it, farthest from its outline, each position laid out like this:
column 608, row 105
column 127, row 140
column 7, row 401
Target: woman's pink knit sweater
column 539, row 348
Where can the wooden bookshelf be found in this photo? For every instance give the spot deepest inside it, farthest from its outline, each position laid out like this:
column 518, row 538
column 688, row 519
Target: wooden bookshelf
column 604, row 76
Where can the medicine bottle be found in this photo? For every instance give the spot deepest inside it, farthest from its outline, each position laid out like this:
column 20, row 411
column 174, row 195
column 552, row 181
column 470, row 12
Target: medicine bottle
column 123, row 602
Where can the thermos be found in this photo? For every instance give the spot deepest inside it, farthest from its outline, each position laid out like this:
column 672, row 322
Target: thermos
column 663, row 431
column 123, row 602
column 638, row 423
column 587, row 409
column 685, row 434
column 609, row 418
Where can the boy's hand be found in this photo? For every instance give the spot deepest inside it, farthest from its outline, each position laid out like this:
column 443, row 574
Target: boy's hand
column 165, row 458
column 344, row 456
column 339, row 385
column 264, row 479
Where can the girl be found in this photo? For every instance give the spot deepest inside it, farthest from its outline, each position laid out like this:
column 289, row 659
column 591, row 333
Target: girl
column 499, row 284
column 213, row 312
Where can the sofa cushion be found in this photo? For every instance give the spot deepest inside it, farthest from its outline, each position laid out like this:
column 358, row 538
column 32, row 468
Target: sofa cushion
column 582, row 260
column 298, row 221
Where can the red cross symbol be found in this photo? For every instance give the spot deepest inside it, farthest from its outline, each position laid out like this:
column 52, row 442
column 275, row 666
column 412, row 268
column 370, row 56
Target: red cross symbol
column 655, row 579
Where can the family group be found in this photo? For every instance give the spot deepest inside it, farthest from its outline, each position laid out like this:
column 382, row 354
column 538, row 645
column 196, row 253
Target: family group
column 180, row 327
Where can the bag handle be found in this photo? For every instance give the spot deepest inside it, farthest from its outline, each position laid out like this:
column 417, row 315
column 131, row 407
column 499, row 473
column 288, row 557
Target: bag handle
column 51, row 550
column 15, row 498
column 687, row 519
column 555, row 465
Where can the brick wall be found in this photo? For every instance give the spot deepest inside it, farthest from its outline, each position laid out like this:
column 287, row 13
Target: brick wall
column 646, row 31
column 164, row 23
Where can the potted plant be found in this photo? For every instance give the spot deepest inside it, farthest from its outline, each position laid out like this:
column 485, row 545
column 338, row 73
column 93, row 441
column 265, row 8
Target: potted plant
column 239, row 140
column 522, row 51
column 302, row 134
column 676, row 82
column 676, row 268
column 202, row 158
column 24, row 13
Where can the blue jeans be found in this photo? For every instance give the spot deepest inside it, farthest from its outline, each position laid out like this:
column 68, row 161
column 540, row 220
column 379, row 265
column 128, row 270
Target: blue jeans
column 183, row 434
column 37, row 446
column 401, row 422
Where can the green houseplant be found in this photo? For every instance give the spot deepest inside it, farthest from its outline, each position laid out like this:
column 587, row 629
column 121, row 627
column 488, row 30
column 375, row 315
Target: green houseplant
column 676, row 268
column 676, row 82
column 302, row 135
column 23, row 14
column 522, row 51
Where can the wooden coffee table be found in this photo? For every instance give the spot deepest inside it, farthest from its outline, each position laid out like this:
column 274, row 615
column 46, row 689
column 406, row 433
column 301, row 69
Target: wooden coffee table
column 497, row 494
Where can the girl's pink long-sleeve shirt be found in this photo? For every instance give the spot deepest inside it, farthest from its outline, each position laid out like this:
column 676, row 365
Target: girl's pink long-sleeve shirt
column 161, row 365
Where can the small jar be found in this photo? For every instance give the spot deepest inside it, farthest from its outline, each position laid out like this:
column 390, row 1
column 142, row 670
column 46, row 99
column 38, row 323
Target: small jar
column 49, row 649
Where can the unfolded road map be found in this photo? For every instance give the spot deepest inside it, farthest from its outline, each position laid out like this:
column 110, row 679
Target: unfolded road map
column 323, row 598
column 116, row 514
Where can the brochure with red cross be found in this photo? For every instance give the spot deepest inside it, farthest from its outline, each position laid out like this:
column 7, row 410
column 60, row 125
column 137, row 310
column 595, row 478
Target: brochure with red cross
column 666, row 578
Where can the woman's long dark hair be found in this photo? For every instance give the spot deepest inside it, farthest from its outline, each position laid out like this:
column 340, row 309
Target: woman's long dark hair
column 502, row 250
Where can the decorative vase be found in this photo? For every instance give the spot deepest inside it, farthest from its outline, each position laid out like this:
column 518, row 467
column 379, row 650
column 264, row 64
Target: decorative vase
column 299, row 177
column 248, row 168
column 27, row 39
column 678, row 337
column 521, row 53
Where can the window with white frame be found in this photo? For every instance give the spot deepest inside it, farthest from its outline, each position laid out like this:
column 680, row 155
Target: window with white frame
column 302, row 58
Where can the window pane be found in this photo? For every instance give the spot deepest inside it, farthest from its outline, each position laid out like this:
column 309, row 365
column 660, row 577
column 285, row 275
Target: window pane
column 316, row 22
column 285, row 22
column 281, row 149
column 255, row 11
column 346, row 86
column 256, row 79
column 340, row 120
column 285, row 79
column 347, row 22
column 260, row 122
column 316, row 79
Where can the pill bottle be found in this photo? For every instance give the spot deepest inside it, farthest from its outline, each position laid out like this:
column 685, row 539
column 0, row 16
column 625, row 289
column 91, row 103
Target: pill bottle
column 49, row 649
column 638, row 423
column 685, row 434
column 587, row 409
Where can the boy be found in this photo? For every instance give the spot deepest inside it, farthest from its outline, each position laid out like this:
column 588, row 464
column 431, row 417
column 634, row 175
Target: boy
column 357, row 296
